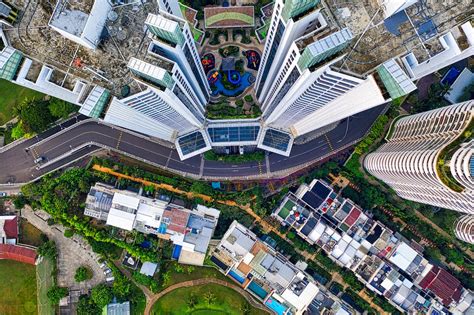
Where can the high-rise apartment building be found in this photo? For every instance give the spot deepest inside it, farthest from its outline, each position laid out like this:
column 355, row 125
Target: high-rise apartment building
column 423, row 160
column 464, row 228
column 138, row 66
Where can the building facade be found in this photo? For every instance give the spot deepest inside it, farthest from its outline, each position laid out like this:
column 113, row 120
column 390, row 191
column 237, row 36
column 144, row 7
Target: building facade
column 464, row 228
column 414, row 164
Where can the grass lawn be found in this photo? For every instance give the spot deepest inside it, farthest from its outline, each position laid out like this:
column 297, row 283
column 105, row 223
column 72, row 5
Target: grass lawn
column 227, row 301
column 197, row 273
column 18, row 288
column 44, row 282
column 11, row 95
column 29, row 234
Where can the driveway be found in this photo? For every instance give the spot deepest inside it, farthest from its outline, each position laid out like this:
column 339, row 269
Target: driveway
column 72, row 252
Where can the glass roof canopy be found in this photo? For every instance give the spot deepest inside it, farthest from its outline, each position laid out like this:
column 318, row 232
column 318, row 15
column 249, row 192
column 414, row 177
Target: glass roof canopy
column 276, row 141
column 234, row 133
column 192, row 144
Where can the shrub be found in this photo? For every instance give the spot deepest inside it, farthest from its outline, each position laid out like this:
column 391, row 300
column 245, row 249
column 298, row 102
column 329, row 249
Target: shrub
column 102, row 295
column 55, row 294
column 239, row 102
column 248, row 98
column 83, row 273
column 68, row 233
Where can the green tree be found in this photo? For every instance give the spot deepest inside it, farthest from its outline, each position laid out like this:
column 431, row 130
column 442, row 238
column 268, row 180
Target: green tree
column 17, row 131
column 209, row 298
column 86, row 306
column 166, row 276
column 34, row 115
column 55, row 294
column 192, row 301
column 60, row 108
column 245, row 308
column 102, row 295
column 20, row 201
column 68, row 233
column 48, row 250
column 83, row 273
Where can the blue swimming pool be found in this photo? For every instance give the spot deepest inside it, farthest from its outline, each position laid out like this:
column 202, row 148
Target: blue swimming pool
column 276, row 306
column 176, row 252
column 236, row 276
column 246, row 80
column 258, row 290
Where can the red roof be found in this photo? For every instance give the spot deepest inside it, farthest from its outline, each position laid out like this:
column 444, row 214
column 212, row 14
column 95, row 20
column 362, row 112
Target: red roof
column 178, row 220
column 352, row 217
column 11, row 228
column 18, row 253
column 442, row 284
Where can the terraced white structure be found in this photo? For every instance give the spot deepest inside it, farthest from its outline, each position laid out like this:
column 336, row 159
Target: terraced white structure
column 408, row 162
column 464, row 228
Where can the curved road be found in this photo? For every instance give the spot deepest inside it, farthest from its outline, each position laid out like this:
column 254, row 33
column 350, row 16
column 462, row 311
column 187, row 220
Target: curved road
column 64, row 144
column 245, row 294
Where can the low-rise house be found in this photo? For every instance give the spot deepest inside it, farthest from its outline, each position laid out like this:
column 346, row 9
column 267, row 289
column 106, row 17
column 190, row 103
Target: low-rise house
column 189, row 230
column 8, row 229
column 269, row 276
column 384, row 261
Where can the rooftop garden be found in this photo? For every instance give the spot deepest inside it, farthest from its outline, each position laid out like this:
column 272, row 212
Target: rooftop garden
column 241, row 109
column 191, row 16
column 220, row 17
column 443, row 166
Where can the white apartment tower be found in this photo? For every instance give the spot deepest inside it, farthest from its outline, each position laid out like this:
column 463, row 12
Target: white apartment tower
column 464, row 228
column 290, row 20
column 298, row 85
column 174, row 41
column 423, row 161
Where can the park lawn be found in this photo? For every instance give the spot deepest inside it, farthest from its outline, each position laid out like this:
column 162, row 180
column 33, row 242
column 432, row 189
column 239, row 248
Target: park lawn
column 227, row 301
column 12, row 94
column 17, row 288
column 197, row 273
column 44, row 282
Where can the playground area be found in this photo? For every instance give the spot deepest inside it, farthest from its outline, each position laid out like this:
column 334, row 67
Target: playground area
column 231, row 70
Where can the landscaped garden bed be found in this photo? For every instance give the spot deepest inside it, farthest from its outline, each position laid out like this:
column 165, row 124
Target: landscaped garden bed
column 224, row 110
column 219, row 17
column 229, row 51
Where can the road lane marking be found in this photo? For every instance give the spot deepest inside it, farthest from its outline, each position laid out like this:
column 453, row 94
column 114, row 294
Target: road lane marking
column 329, row 142
column 119, row 139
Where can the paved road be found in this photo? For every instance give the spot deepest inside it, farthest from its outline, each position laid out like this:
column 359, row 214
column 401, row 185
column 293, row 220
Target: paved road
column 17, row 164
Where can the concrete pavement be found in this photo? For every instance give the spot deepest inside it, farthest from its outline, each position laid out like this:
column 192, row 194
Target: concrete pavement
column 72, row 252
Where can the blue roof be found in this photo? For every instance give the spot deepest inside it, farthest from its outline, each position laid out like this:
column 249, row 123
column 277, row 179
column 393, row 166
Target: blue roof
column 233, row 134
column 392, row 24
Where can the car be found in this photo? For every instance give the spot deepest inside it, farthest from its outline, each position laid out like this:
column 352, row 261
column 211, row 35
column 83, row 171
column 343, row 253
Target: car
column 39, row 159
column 3, row 194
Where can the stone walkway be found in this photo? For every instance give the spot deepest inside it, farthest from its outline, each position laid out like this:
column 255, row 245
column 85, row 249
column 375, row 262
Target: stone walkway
column 197, row 282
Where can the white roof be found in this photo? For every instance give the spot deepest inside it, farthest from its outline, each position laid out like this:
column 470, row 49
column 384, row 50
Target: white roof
column 161, row 22
column 150, row 214
column 121, row 219
column 148, row 268
column 146, row 68
column 403, row 256
column 302, row 301
column 387, row 284
column 317, row 232
column 126, row 200
column 209, row 211
column 393, row 6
